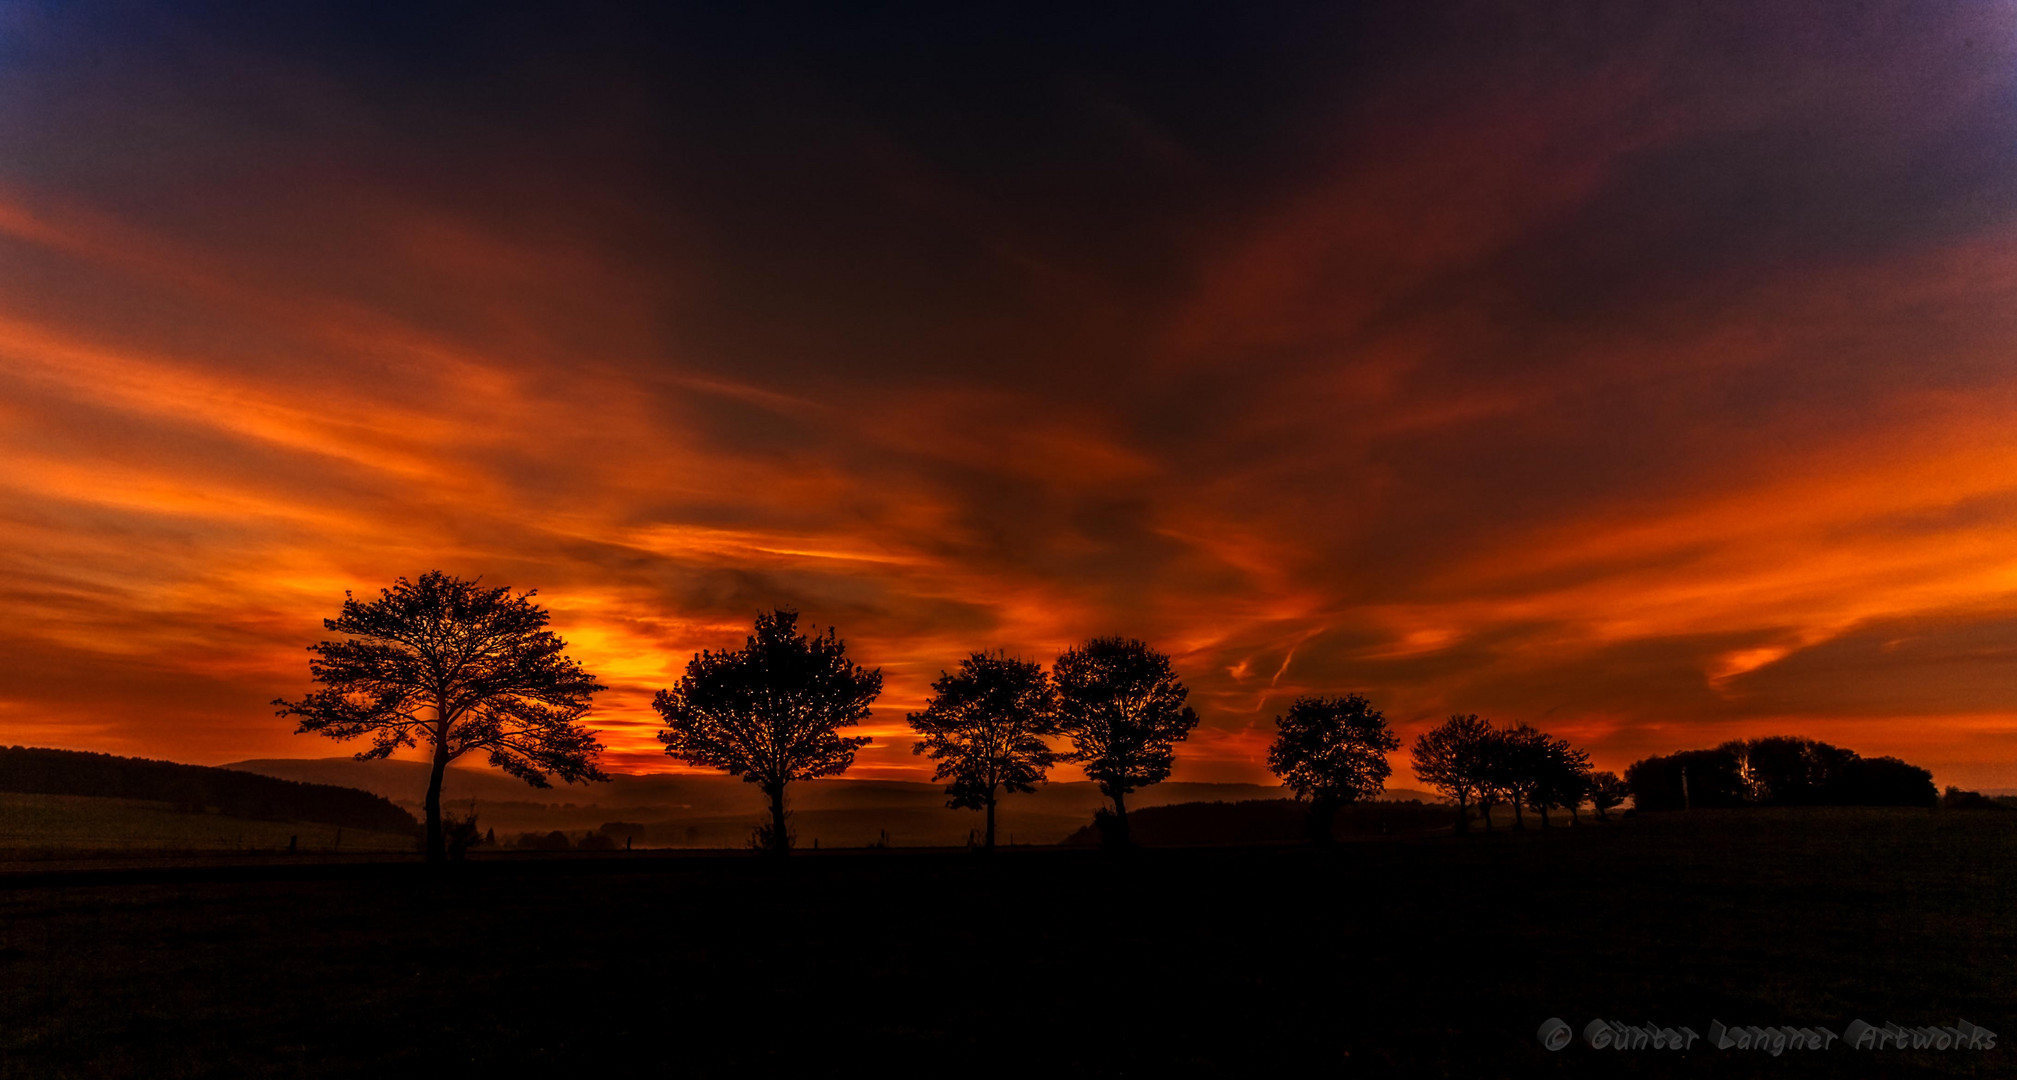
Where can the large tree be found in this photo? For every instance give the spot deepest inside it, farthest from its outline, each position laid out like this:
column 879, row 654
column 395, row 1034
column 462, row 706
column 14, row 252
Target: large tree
column 770, row 712
column 1332, row 751
column 986, row 728
column 1120, row 703
column 1451, row 757
column 444, row 662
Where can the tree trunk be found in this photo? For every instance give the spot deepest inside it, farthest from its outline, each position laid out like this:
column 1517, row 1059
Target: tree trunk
column 988, row 844
column 780, row 843
column 437, row 850
column 1573, row 807
column 1120, row 834
column 1463, row 814
column 1519, row 817
column 1543, row 808
column 1485, row 811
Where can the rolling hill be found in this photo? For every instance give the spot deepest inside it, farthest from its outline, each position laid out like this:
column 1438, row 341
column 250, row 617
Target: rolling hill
column 198, row 788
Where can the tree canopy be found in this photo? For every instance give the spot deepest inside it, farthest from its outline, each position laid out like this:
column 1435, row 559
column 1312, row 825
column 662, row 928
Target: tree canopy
column 985, row 728
column 1331, row 751
column 1453, row 757
column 770, row 712
column 1120, row 703
column 443, row 661
column 1607, row 792
column 1560, row 773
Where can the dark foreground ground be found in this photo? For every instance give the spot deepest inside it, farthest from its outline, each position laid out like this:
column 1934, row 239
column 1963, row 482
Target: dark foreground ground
column 1424, row 957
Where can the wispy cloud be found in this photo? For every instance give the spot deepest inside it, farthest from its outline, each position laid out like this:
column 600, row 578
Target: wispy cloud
column 1639, row 382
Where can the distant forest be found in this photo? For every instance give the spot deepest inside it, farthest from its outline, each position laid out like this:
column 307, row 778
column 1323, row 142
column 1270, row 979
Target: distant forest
column 32, row 771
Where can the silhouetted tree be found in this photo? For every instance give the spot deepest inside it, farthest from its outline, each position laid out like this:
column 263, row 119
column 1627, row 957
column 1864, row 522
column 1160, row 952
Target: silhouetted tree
column 462, row 668
column 1577, row 792
column 1560, row 773
column 770, row 712
column 1607, row 793
column 1121, row 704
column 985, row 728
column 1331, row 751
column 1451, row 758
column 1517, row 762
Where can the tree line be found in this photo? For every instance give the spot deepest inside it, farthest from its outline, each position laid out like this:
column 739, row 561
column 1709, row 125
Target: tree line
column 1778, row 770
column 773, row 711
column 444, row 662
column 1476, row 764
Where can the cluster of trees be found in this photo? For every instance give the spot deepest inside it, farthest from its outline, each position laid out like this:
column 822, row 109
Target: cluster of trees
column 1778, row 770
column 772, row 713
column 1474, row 763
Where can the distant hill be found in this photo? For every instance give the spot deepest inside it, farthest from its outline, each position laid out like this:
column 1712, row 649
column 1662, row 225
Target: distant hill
column 232, row 792
column 1267, row 821
column 715, row 810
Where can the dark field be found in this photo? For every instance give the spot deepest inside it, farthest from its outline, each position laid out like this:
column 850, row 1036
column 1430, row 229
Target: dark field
column 1418, row 957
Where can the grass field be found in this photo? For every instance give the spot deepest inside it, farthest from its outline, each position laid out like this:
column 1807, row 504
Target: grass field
column 1424, row 957
column 44, row 827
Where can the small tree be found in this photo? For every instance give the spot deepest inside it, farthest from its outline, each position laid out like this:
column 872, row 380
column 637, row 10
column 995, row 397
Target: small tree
column 1560, row 774
column 1518, row 766
column 985, row 728
column 770, row 712
column 1332, row 751
column 1121, row 704
column 1607, row 793
column 442, row 661
column 1451, row 758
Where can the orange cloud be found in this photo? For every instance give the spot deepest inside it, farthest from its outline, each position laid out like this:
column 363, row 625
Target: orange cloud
column 1635, row 392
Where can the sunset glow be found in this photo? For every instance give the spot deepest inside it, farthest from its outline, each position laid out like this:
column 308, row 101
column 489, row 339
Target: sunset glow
column 1654, row 385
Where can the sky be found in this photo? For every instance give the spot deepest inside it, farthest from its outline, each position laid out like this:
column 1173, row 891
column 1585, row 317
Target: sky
column 1641, row 372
